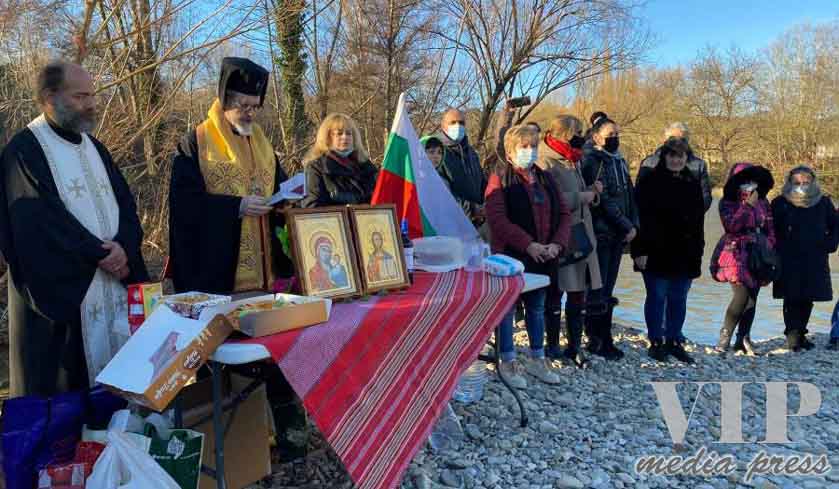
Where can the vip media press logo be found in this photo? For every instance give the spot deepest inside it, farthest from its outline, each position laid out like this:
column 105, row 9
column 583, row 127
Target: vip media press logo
column 708, row 463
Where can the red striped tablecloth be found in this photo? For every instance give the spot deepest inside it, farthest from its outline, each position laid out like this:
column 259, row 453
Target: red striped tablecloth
column 375, row 377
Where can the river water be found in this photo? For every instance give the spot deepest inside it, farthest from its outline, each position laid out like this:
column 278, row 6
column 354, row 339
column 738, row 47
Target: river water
column 708, row 299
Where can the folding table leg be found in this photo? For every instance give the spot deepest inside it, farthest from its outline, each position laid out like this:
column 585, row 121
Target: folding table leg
column 497, row 361
column 218, row 426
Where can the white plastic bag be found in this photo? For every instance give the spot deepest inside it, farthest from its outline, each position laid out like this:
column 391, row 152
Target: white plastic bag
column 123, row 466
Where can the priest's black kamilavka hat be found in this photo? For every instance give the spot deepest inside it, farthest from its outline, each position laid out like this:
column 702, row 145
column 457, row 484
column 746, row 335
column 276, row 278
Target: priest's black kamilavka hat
column 244, row 76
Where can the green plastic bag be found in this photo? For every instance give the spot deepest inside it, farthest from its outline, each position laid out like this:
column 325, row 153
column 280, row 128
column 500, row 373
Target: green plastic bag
column 179, row 454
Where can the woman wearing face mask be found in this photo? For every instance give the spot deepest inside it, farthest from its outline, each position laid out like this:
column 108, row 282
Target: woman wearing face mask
column 615, row 222
column 744, row 212
column 668, row 250
column 806, row 230
column 560, row 154
column 337, row 169
column 529, row 221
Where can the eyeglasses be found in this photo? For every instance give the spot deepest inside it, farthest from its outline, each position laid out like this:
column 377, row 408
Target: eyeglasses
column 236, row 104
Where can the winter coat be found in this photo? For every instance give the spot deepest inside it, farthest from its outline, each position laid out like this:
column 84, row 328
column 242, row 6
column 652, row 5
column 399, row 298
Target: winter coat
column 332, row 182
column 671, row 233
column 569, row 178
column 617, row 213
column 517, row 220
column 461, row 167
column 805, row 238
column 740, row 221
column 695, row 164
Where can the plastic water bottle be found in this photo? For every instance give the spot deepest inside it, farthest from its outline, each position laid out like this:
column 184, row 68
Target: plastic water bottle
column 447, row 433
column 470, row 387
column 408, row 248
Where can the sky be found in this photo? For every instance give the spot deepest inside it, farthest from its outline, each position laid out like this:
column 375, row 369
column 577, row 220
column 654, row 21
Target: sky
column 684, row 27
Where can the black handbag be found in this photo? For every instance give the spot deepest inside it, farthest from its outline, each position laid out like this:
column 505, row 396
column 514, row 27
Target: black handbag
column 579, row 246
column 764, row 263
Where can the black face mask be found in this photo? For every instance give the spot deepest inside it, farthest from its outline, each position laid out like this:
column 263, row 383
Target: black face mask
column 577, row 141
column 612, row 144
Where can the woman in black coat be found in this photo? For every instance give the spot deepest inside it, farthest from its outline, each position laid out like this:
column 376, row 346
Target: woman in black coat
column 337, row 169
column 806, row 233
column 668, row 250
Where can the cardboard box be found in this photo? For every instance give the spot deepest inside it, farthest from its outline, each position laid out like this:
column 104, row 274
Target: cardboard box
column 162, row 357
column 247, row 453
column 299, row 312
column 192, row 304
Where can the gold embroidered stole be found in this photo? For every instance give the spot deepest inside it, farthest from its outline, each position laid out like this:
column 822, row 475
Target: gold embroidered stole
column 238, row 165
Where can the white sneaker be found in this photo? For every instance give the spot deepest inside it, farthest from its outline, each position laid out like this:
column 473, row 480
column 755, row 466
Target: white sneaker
column 539, row 368
column 512, row 372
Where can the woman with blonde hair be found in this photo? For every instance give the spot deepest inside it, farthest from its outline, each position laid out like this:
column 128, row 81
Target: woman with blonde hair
column 529, row 222
column 560, row 153
column 337, row 168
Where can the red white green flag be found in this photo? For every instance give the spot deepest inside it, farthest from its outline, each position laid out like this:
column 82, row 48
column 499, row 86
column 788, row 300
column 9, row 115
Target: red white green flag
column 409, row 180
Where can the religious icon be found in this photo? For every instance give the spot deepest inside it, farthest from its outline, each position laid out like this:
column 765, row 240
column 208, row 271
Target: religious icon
column 380, row 247
column 324, row 252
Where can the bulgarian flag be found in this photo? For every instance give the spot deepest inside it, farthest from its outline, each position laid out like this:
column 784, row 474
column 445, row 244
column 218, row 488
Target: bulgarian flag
column 409, row 180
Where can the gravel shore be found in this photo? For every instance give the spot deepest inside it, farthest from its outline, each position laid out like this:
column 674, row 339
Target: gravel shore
column 590, row 430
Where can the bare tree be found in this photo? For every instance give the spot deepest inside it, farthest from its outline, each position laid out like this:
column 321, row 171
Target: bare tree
column 721, row 93
column 540, row 46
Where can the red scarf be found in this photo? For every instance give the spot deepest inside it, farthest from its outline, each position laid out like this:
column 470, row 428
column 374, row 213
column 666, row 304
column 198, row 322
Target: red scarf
column 348, row 162
column 562, row 147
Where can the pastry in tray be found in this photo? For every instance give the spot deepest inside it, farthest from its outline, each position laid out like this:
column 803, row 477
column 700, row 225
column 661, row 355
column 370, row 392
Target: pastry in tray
column 190, row 304
column 253, row 307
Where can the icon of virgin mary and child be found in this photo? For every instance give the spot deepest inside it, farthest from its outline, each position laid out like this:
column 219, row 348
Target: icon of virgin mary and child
column 328, row 272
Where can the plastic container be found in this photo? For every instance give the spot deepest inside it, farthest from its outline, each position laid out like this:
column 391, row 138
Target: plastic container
column 447, row 433
column 470, row 387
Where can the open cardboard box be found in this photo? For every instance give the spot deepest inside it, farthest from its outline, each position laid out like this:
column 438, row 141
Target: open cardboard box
column 162, row 357
column 247, row 453
column 299, row 312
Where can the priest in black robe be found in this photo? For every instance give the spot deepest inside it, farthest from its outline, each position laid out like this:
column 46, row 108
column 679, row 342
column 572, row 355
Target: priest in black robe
column 222, row 234
column 55, row 255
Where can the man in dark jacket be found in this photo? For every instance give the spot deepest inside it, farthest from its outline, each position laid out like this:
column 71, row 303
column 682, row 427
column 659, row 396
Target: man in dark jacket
column 696, row 165
column 461, row 166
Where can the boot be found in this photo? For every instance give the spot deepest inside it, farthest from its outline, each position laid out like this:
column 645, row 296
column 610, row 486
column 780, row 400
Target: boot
column 724, row 343
column 610, row 351
column 794, row 340
column 553, row 322
column 676, row 349
column 574, row 332
column 657, row 351
column 591, row 322
column 744, row 330
column 806, row 343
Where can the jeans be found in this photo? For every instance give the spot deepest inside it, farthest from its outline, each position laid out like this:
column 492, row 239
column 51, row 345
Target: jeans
column 534, row 306
column 834, row 320
column 665, row 294
column 609, row 255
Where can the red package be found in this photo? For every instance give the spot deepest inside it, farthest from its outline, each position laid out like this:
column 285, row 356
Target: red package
column 66, row 476
column 87, row 453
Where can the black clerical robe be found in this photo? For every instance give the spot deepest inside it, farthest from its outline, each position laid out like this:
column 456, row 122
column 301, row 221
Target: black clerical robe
column 52, row 259
column 205, row 229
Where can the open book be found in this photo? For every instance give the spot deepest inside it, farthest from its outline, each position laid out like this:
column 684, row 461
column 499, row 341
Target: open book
column 292, row 189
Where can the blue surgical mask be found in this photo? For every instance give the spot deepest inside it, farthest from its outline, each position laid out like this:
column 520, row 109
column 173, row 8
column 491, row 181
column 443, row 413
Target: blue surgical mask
column 345, row 153
column 525, row 157
column 455, row 132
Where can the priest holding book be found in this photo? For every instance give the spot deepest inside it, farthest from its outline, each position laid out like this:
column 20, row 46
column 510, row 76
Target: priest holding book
column 222, row 230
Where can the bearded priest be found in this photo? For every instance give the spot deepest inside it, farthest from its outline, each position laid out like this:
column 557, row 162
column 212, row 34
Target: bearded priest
column 72, row 239
column 222, row 233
